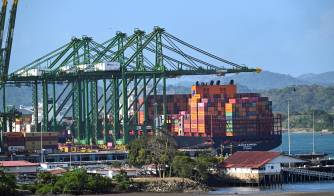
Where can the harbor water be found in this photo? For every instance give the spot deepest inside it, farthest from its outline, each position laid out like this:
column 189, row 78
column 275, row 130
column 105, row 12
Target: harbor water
column 301, row 142
column 301, row 187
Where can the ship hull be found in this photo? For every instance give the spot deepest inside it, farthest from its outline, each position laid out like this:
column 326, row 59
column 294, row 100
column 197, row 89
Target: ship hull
column 230, row 144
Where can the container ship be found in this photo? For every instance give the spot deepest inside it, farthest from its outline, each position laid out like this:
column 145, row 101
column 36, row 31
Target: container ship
column 217, row 116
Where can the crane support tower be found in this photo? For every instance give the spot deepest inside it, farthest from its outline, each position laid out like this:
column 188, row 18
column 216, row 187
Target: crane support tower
column 6, row 114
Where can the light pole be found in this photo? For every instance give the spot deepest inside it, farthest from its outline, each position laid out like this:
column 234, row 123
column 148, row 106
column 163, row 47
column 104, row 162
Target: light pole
column 289, row 136
column 41, row 145
column 313, row 152
column 289, row 144
column 155, row 124
column 211, row 127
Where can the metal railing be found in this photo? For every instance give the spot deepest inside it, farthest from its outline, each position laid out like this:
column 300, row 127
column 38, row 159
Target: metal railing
column 307, row 172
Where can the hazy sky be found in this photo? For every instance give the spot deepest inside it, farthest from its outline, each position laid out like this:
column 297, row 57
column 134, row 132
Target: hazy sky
column 286, row 36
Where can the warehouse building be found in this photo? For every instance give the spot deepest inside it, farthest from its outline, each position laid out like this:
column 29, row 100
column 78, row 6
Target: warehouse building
column 19, row 167
column 255, row 166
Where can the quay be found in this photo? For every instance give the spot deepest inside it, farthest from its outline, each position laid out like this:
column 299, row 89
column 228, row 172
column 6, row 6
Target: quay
column 74, row 157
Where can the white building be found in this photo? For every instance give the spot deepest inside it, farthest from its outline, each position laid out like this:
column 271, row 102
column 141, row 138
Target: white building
column 255, row 165
column 19, row 167
column 111, row 172
column 51, row 165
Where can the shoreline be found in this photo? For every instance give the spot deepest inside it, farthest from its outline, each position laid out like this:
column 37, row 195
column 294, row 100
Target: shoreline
column 326, row 193
column 307, row 131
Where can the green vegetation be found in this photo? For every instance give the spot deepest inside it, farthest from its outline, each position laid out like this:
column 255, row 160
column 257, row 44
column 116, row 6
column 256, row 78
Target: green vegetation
column 7, row 184
column 161, row 151
column 158, row 150
column 78, row 182
column 197, row 169
column 183, row 166
column 304, row 120
column 303, row 98
column 303, row 101
column 123, row 182
column 74, row 182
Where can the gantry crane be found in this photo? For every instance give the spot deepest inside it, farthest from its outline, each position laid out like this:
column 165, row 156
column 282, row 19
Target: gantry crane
column 143, row 61
column 5, row 54
column 138, row 64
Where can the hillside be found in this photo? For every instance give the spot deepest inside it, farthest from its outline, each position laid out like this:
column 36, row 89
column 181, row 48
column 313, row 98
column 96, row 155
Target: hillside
column 304, row 98
column 326, row 78
column 263, row 81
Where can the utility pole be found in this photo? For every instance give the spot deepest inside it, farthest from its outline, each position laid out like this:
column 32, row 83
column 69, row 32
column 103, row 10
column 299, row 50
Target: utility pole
column 41, row 145
column 289, row 144
column 211, row 126
column 313, row 152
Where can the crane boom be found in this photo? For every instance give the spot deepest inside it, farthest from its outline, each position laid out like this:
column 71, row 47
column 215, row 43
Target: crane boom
column 2, row 26
column 2, row 19
column 9, row 41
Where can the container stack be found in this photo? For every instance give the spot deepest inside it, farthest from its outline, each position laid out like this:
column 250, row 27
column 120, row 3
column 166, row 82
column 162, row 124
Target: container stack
column 207, row 91
column 229, row 119
column 248, row 115
column 194, row 100
column 175, row 123
column 186, row 120
column 49, row 141
column 14, row 141
column 201, row 118
column 215, row 110
column 175, row 104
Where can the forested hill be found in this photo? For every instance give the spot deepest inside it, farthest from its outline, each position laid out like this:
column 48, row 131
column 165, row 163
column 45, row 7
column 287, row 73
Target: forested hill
column 303, row 98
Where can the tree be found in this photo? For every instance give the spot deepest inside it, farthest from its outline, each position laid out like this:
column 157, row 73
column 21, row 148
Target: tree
column 7, row 184
column 162, row 151
column 73, row 182
column 122, row 180
column 203, row 164
column 183, row 166
column 138, row 152
column 46, row 178
column 99, row 184
column 159, row 150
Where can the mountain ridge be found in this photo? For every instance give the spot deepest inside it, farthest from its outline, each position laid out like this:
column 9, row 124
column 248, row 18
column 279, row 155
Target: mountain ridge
column 262, row 81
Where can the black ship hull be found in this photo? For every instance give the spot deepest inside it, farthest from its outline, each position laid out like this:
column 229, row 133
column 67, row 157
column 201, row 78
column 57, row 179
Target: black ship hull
column 230, row 144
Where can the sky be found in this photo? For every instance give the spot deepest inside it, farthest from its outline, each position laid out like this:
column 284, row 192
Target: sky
column 287, row 36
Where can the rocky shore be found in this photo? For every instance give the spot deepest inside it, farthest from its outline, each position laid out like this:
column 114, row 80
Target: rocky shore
column 168, row 185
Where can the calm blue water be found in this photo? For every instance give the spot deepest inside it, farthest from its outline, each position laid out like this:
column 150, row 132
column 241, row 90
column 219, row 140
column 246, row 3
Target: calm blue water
column 302, row 187
column 302, row 143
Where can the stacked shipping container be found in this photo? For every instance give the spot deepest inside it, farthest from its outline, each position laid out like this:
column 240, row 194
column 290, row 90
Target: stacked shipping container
column 33, row 141
column 14, row 141
column 214, row 110
column 175, row 104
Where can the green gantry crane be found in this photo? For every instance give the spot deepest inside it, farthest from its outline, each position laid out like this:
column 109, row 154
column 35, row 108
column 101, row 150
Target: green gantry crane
column 5, row 54
column 128, row 68
column 137, row 65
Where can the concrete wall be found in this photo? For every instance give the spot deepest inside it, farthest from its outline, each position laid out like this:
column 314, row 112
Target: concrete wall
column 271, row 168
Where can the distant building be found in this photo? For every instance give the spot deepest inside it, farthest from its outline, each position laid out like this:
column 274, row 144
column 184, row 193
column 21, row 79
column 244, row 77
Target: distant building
column 254, row 166
column 111, row 172
column 57, row 171
column 52, row 165
column 19, row 167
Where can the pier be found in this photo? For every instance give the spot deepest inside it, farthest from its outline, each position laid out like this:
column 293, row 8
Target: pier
column 291, row 175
